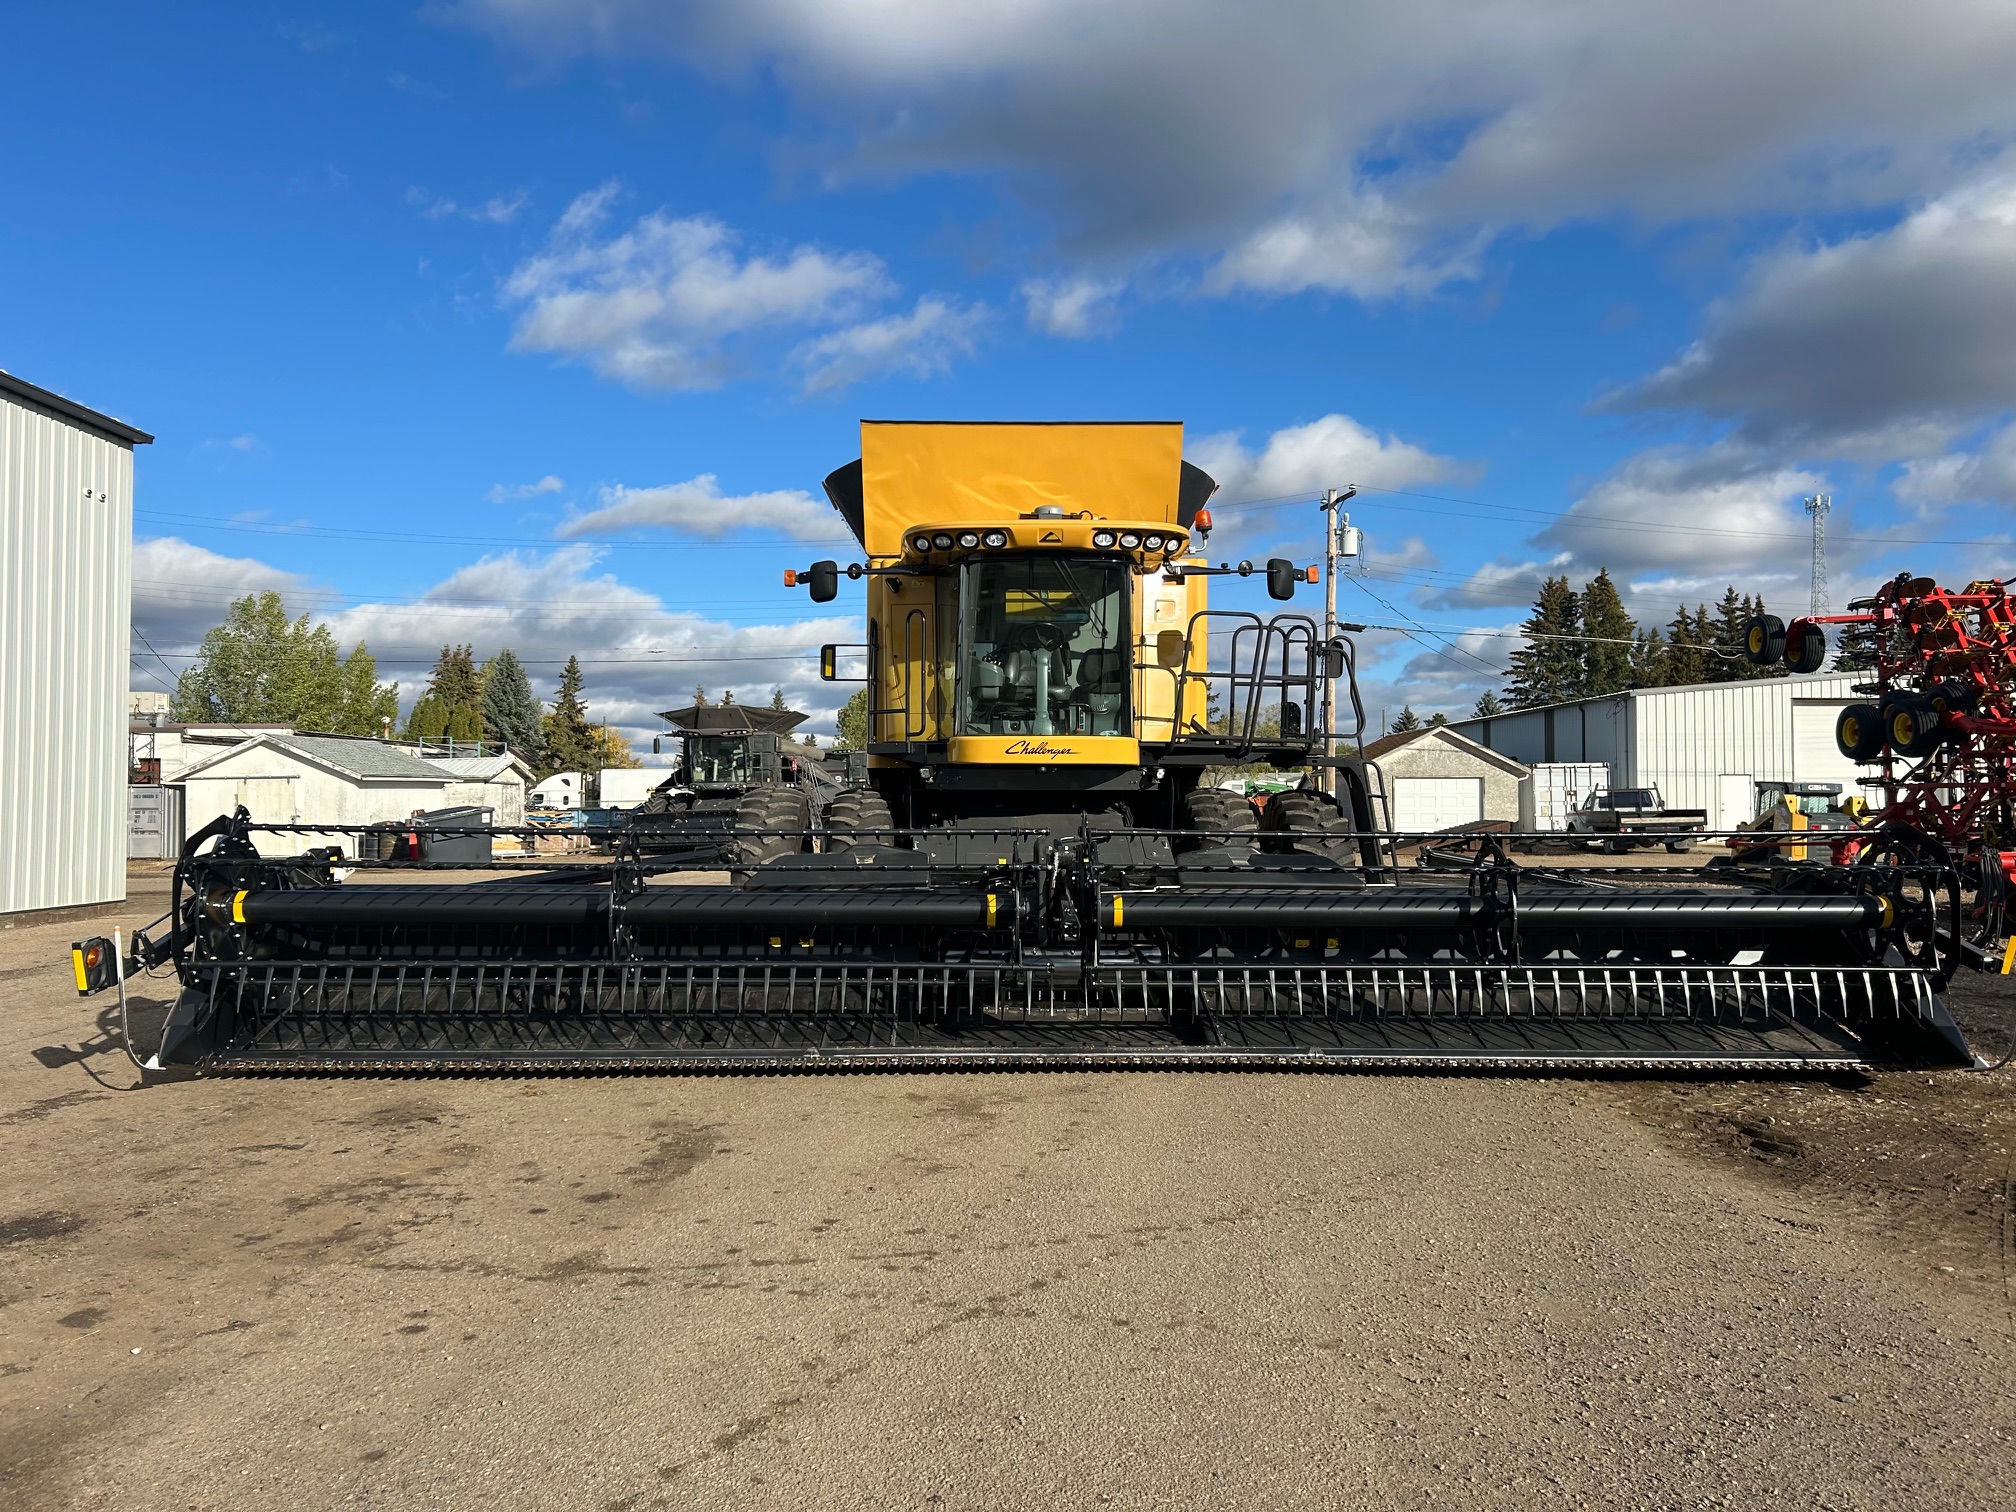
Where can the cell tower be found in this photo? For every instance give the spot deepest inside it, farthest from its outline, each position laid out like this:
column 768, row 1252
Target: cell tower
column 1817, row 505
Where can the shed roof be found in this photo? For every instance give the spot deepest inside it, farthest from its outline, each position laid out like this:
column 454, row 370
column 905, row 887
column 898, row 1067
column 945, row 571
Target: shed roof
column 360, row 758
column 1387, row 744
column 480, row 768
column 70, row 409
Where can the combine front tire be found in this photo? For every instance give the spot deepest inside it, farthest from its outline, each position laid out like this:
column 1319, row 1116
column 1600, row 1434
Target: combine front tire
column 1225, row 818
column 1303, row 822
column 858, row 817
column 770, row 822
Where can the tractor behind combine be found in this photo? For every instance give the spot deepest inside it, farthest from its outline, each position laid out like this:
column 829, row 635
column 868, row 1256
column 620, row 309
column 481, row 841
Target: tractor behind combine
column 1037, row 873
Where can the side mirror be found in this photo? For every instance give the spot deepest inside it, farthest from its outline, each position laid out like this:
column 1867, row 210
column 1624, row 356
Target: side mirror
column 1333, row 661
column 824, row 579
column 1291, row 720
column 1172, row 648
column 829, row 663
column 657, row 745
column 1282, row 576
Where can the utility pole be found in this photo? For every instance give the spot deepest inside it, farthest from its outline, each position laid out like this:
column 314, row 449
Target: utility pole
column 1339, row 539
column 1818, row 505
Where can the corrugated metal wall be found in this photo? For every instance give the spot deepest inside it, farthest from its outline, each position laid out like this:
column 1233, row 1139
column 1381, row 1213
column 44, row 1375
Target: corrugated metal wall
column 66, row 563
column 1686, row 739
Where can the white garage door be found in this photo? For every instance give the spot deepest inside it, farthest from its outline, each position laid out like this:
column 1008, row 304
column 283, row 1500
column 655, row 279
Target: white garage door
column 1436, row 803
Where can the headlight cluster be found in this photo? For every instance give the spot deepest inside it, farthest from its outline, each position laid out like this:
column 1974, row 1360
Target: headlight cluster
column 1128, row 540
column 967, row 540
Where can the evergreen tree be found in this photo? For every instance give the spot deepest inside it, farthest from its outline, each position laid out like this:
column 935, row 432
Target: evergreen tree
column 1607, row 653
column 1436, row 721
column 1408, row 720
column 1648, row 658
column 259, row 667
column 453, row 700
column 510, row 712
column 1488, row 705
column 852, row 722
column 569, row 744
column 1687, row 657
column 1548, row 667
column 1729, row 663
column 777, row 699
column 699, row 697
column 1856, row 646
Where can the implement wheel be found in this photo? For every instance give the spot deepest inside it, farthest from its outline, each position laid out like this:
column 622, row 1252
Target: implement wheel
column 1300, row 821
column 1764, row 639
column 1226, row 819
column 858, row 817
column 770, row 822
column 1858, row 733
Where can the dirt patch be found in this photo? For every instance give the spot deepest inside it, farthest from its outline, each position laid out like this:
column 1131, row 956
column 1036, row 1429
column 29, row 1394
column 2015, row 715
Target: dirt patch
column 25, row 1228
column 1926, row 1160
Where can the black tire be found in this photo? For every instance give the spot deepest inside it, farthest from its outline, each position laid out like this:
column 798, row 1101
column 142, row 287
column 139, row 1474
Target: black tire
column 1953, row 697
column 855, row 817
column 1679, row 847
column 1764, row 639
column 770, row 822
column 1615, row 845
column 1805, row 647
column 1858, row 732
column 1214, row 809
column 1913, row 726
column 1296, row 821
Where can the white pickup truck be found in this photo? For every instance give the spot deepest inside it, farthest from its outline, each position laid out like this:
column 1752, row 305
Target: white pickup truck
column 1621, row 819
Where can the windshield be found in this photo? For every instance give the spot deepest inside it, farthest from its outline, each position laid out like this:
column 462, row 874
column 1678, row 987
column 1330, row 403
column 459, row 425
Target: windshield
column 1046, row 647
column 718, row 758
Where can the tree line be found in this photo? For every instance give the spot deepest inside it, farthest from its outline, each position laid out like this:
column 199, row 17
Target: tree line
column 261, row 667
column 1585, row 644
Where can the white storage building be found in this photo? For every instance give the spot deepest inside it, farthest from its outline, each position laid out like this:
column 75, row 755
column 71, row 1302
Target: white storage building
column 66, row 575
column 337, row 781
column 497, row 783
column 1439, row 779
column 1706, row 746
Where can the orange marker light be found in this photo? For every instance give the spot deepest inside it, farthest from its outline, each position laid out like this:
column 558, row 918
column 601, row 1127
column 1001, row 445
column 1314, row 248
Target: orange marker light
column 1313, row 574
column 790, row 577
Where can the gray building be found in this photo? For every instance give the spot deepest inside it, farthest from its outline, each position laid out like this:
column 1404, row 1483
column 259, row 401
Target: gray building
column 1706, row 745
column 1439, row 779
column 66, row 570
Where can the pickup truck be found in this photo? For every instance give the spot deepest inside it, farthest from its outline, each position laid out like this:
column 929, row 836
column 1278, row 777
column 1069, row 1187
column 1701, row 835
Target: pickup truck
column 1621, row 819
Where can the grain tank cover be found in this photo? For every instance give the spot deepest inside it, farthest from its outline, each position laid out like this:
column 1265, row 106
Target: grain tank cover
column 915, row 472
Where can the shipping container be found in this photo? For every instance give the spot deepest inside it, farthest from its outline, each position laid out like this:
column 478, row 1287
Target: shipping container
column 1553, row 788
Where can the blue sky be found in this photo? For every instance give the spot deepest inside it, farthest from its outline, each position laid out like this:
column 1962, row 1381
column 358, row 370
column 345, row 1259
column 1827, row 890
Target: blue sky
column 536, row 323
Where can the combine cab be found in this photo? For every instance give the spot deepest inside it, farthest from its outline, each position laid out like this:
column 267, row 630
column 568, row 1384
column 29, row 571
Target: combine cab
column 737, row 795
column 1037, row 873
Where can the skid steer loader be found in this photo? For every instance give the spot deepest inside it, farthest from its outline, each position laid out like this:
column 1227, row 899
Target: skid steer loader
column 1036, row 873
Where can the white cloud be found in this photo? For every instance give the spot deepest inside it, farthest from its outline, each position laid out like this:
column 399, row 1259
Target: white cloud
column 654, row 304
column 1363, row 244
column 1669, row 523
column 699, row 507
column 1325, row 453
column 1986, row 474
column 1073, row 307
column 498, row 210
column 921, row 344
column 1335, row 143
column 1875, row 345
column 503, row 493
column 179, row 590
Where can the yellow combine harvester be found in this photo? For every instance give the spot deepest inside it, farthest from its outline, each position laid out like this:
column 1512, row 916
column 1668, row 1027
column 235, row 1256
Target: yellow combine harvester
column 1035, row 872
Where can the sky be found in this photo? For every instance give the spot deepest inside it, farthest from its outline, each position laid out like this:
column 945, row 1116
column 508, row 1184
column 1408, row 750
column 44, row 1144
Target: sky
column 535, row 323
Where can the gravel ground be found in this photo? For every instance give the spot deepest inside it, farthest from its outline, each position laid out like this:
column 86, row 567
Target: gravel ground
column 1067, row 1289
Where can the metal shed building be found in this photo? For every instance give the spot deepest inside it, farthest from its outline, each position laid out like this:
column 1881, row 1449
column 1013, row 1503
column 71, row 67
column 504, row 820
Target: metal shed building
column 66, row 569
column 1706, row 745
